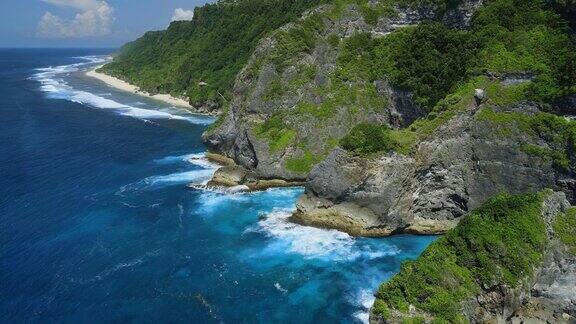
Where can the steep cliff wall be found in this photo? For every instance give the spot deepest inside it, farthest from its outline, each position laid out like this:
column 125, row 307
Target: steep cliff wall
column 298, row 95
column 483, row 150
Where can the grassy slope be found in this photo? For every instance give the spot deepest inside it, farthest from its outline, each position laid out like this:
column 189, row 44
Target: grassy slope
column 213, row 47
column 498, row 243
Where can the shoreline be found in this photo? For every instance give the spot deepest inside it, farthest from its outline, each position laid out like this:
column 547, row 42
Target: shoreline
column 125, row 86
column 231, row 175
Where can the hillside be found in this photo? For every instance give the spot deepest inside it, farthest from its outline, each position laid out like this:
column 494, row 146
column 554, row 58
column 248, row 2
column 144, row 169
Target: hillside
column 407, row 118
column 311, row 81
column 512, row 259
column 211, row 48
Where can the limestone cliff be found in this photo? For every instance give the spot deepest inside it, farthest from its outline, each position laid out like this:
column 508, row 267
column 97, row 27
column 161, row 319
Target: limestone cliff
column 291, row 104
column 469, row 159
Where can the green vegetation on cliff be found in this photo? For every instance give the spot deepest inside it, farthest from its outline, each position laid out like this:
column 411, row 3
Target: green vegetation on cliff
column 442, row 66
column 429, row 60
column 211, row 48
column 565, row 229
column 558, row 134
column 506, row 36
column 277, row 133
column 498, row 243
column 365, row 139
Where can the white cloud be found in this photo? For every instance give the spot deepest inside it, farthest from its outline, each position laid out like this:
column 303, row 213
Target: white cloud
column 82, row 5
column 182, row 14
column 94, row 19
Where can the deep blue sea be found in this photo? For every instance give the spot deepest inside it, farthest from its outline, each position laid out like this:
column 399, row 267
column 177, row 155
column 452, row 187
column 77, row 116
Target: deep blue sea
column 97, row 224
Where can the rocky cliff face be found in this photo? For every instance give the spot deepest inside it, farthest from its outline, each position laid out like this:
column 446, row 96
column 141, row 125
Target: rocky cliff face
column 295, row 100
column 465, row 161
column 289, row 108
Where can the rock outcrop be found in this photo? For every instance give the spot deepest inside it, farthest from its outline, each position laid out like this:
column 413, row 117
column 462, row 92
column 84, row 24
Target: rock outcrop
column 455, row 170
column 287, row 113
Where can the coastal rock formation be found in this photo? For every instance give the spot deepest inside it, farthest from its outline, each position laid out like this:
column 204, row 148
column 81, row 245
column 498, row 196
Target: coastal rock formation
column 467, row 160
column 543, row 290
column 289, row 108
column 302, row 92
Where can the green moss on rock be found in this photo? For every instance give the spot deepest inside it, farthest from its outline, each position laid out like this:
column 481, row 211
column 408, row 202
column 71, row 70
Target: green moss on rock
column 302, row 164
column 279, row 136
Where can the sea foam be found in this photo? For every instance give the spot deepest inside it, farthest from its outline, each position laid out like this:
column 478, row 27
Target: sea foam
column 198, row 159
column 52, row 82
column 311, row 242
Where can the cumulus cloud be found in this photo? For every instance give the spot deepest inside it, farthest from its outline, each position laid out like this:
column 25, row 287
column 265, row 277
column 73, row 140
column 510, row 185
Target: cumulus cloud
column 182, row 14
column 94, row 18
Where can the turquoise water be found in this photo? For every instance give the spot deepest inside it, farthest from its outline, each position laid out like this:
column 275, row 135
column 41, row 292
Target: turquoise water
column 97, row 225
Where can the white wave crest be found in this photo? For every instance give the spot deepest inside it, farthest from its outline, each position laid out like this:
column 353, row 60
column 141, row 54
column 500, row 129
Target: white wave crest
column 198, row 159
column 52, row 82
column 365, row 298
column 154, row 182
column 314, row 242
column 221, row 190
column 182, row 177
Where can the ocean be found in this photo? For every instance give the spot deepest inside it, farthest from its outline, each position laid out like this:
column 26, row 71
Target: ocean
column 97, row 224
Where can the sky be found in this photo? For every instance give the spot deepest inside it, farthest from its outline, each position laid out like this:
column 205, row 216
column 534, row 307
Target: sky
column 86, row 23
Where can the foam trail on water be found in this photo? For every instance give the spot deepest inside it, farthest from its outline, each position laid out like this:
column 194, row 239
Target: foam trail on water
column 192, row 177
column 53, row 84
column 198, row 159
column 365, row 298
column 182, row 177
column 312, row 242
column 179, row 178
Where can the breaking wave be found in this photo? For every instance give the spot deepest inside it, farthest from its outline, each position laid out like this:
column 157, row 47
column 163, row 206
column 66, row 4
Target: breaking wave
column 52, row 82
column 312, row 242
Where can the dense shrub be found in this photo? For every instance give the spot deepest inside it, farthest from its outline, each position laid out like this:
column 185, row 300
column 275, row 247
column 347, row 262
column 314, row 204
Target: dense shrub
column 429, row 59
column 366, row 139
column 498, row 243
column 213, row 47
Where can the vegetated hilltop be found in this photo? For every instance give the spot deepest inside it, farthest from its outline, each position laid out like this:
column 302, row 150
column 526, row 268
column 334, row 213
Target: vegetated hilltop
column 210, row 49
column 511, row 260
column 374, row 104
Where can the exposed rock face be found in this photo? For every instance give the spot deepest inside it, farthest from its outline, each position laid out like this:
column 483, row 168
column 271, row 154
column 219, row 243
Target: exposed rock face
column 454, row 171
column 206, row 107
column 458, row 16
column 232, row 177
column 313, row 137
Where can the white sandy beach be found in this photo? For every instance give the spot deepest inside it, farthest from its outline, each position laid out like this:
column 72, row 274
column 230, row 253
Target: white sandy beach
column 125, row 86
